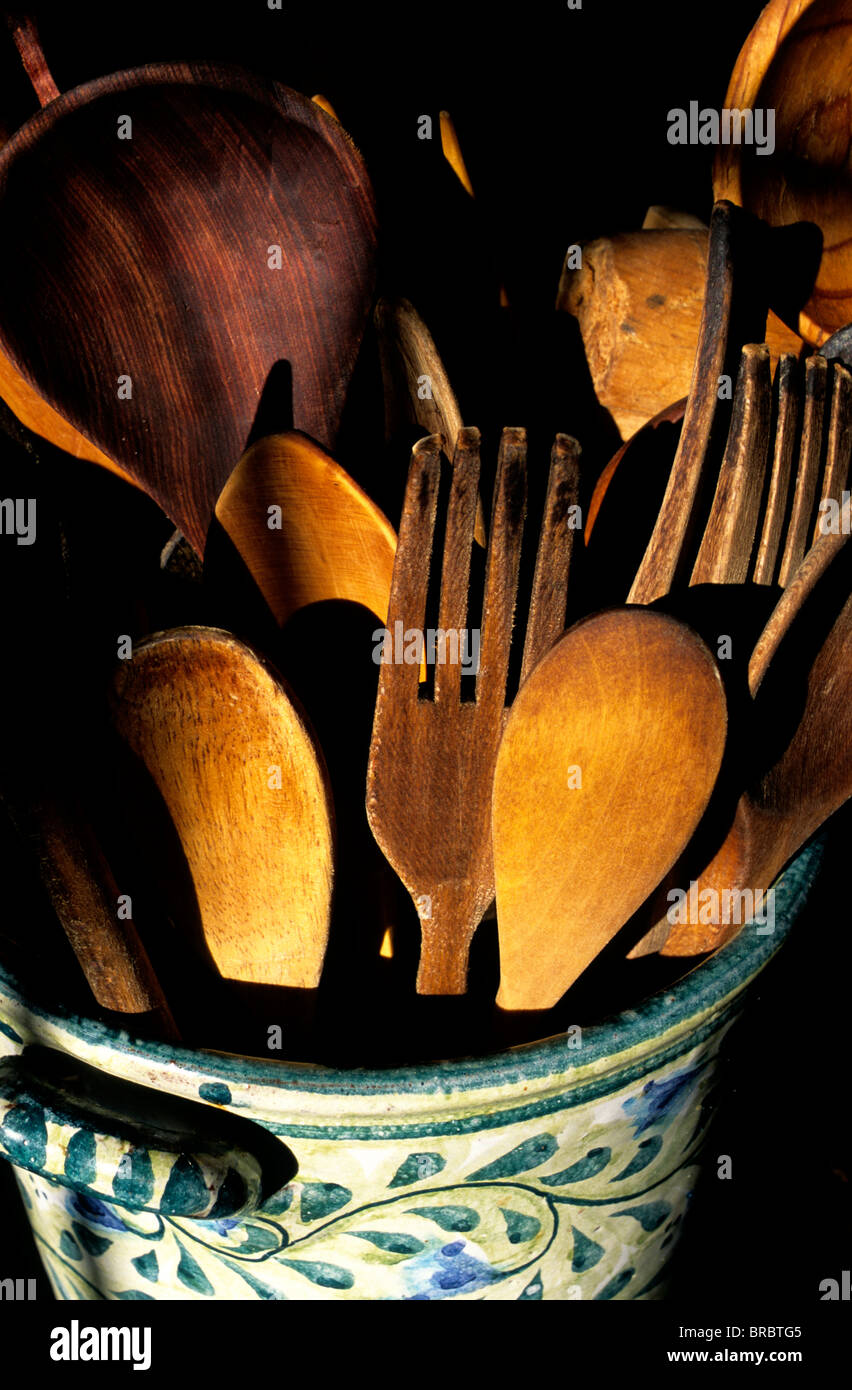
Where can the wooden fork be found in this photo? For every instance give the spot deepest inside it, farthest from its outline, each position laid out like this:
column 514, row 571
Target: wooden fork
column 431, row 765
column 735, row 546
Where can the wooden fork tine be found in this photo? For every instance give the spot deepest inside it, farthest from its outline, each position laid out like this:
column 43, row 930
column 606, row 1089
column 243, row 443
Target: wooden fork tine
column 548, row 603
column 455, row 572
column 502, row 566
column 400, row 681
column 836, row 476
column 804, row 496
column 787, row 412
column 725, row 551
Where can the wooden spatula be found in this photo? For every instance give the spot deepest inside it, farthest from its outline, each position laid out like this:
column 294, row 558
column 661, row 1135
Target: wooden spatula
column 244, row 783
column 609, row 756
column 304, row 529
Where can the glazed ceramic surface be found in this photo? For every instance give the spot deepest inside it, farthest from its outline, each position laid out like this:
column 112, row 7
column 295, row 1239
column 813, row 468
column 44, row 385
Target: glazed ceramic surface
column 554, row 1171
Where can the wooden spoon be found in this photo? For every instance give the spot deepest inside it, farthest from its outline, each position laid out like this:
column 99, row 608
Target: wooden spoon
column 244, row 783
column 811, row 776
column 305, row 530
column 586, row 824
column 25, row 402
column 240, row 231
column 795, row 62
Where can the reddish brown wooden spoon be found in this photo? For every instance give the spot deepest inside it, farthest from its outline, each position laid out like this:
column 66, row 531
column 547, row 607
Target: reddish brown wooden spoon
column 166, row 236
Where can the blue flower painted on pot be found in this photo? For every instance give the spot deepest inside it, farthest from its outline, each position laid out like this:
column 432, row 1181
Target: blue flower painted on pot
column 661, row 1101
column 446, row 1270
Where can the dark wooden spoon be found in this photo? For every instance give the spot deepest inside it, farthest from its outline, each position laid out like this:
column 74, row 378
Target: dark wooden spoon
column 148, row 284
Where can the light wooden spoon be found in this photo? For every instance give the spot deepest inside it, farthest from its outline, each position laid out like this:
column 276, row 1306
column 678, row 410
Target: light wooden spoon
column 304, row 529
column 609, row 756
column 245, row 785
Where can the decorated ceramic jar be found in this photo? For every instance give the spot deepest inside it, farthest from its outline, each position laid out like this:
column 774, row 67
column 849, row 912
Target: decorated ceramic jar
column 550, row 1171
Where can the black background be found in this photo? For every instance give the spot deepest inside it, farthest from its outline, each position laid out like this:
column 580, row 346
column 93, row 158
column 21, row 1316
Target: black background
column 562, row 119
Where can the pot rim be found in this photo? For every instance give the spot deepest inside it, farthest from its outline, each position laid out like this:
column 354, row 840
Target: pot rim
column 704, row 989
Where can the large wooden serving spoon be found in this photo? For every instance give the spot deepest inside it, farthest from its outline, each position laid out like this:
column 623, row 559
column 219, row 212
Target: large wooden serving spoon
column 609, row 756
column 244, row 782
column 167, row 235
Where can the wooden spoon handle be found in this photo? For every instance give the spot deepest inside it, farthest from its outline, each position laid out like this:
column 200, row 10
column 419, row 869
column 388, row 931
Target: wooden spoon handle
column 85, row 898
column 25, row 35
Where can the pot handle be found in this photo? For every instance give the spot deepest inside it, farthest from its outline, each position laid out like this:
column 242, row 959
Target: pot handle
column 121, row 1142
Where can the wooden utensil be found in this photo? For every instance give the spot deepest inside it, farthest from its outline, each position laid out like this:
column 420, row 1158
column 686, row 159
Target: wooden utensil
column 638, row 299
column 417, row 389
column 810, row 774
column 663, row 558
column 304, row 529
column 243, row 780
column 88, row 904
column 25, row 403
column 737, row 502
column 228, row 181
column 432, row 761
column 795, row 63
column 586, row 825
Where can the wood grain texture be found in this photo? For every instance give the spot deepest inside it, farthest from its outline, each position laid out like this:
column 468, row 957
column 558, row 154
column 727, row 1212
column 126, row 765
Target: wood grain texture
column 641, row 711
column 408, row 354
column 787, row 406
column 85, row 898
column 333, row 542
column 811, row 776
column 796, row 61
column 149, row 258
column 556, row 542
column 25, row 37
column 662, row 557
column 801, row 521
column 638, row 299
column 724, row 556
column 838, row 459
column 211, row 723
column 432, row 761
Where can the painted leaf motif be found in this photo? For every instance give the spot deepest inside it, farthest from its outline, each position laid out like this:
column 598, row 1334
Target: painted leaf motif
column 191, row 1275
column 531, row 1154
column 450, row 1218
column 417, row 1168
column 645, row 1154
column 585, row 1168
column 497, row 1230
